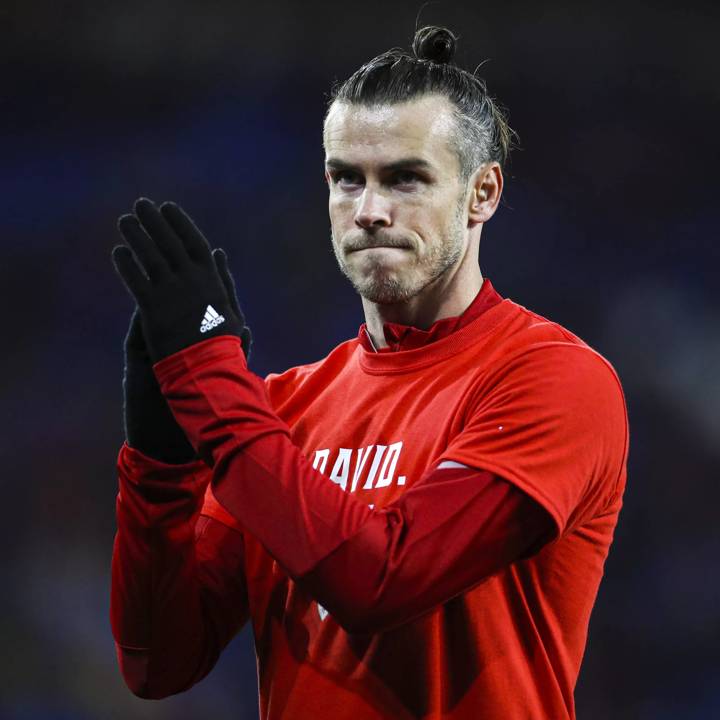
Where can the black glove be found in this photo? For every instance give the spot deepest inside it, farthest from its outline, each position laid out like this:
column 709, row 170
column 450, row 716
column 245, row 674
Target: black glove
column 149, row 424
column 181, row 295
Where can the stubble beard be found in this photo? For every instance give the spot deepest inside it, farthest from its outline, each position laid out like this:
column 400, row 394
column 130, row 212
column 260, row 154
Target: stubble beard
column 385, row 286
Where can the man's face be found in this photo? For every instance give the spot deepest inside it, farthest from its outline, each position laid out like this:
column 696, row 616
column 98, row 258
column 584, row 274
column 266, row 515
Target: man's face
column 397, row 204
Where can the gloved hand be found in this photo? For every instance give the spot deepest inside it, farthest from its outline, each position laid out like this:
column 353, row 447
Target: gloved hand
column 149, row 424
column 174, row 278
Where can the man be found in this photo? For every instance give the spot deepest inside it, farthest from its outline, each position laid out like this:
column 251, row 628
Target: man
column 416, row 524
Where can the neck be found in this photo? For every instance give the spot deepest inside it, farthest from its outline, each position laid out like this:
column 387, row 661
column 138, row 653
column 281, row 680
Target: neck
column 447, row 296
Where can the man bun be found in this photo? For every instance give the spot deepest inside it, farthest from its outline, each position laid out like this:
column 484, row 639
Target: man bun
column 482, row 132
column 434, row 43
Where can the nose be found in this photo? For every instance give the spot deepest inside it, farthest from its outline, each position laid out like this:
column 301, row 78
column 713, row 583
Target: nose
column 373, row 210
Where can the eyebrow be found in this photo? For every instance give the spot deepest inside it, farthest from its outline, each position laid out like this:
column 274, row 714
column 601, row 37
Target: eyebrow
column 404, row 164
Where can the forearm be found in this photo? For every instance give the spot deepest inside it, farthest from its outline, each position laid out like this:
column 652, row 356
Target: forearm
column 321, row 535
column 453, row 529
column 173, row 605
column 449, row 531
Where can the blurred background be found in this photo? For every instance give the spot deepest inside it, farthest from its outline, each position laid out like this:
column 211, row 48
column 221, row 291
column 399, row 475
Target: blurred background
column 608, row 227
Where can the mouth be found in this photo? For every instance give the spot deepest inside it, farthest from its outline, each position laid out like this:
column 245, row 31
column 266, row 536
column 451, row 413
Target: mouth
column 381, row 247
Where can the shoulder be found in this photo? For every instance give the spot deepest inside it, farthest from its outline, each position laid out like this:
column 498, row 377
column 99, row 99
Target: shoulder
column 548, row 378
column 548, row 413
column 560, row 385
column 537, row 344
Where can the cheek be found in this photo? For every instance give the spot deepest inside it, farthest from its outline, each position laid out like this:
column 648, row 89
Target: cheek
column 341, row 211
column 338, row 223
column 443, row 216
column 429, row 218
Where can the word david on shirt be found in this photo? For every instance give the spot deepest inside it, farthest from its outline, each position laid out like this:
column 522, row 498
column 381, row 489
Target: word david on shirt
column 367, row 467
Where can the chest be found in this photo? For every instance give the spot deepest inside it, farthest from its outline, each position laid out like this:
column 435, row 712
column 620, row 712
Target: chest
column 376, row 436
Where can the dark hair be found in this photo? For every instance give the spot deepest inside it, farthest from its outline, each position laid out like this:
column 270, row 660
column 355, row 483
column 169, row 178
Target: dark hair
column 397, row 76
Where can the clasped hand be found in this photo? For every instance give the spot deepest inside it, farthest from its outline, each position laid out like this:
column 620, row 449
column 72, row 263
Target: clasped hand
column 184, row 290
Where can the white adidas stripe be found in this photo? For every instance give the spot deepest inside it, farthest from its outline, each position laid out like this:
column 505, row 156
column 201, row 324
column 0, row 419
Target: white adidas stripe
column 211, row 319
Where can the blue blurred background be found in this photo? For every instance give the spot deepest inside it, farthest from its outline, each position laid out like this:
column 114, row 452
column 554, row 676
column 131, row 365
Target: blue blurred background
column 608, row 227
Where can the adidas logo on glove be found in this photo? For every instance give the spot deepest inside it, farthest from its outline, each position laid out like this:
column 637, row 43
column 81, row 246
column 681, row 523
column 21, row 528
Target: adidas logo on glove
column 212, row 319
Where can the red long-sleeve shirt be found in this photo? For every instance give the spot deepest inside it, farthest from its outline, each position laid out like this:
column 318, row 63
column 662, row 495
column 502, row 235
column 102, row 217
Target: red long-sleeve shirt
column 277, row 538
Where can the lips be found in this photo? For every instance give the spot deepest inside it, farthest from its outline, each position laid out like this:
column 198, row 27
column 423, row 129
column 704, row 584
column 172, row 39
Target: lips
column 373, row 247
column 371, row 241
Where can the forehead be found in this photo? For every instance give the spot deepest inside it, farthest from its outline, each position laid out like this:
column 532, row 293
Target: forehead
column 421, row 128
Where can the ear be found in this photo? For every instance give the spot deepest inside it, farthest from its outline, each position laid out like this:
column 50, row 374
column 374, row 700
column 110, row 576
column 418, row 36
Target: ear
column 486, row 186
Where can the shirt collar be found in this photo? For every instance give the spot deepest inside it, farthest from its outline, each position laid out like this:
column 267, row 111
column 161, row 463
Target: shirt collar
column 407, row 337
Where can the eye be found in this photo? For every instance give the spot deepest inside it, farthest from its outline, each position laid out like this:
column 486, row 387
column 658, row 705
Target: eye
column 406, row 177
column 346, row 178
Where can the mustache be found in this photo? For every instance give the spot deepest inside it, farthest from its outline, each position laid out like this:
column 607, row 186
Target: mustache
column 377, row 239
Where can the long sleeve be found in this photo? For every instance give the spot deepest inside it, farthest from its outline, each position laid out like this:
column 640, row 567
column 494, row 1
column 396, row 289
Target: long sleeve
column 447, row 533
column 370, row 568
column 178, row 592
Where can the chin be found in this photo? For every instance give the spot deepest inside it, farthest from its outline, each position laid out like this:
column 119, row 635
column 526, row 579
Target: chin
column 383, row 284
column 384, row 291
